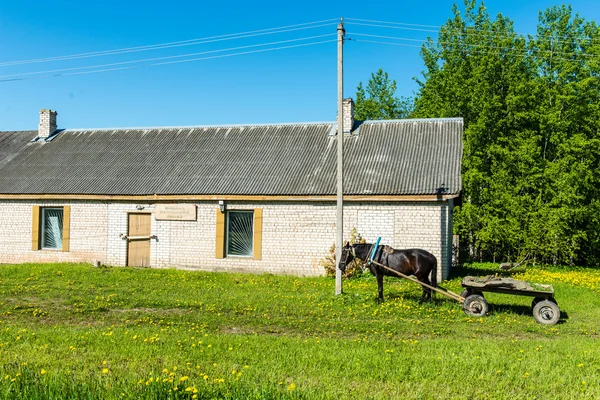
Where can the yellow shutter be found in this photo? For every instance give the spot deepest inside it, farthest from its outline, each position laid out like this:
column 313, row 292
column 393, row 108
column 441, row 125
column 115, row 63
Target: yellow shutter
column 258, row 217
column 66, row 228
column 220, row 245
column 35, row 228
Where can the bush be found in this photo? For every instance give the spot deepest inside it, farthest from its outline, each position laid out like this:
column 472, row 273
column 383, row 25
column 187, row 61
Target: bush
column 355, row 268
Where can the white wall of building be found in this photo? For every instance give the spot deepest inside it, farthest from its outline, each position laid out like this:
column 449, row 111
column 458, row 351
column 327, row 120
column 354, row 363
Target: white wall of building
column 296, row 235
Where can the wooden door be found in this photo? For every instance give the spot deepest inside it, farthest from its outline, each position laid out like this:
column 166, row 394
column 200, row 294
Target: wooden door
column 138, row 240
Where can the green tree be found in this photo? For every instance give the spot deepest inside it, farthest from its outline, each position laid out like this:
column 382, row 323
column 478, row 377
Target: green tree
column 377, row 101
column 530, row 108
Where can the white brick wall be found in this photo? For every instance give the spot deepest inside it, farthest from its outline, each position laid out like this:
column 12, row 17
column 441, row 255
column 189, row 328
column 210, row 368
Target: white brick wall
column 296, row 235
column 88, row 232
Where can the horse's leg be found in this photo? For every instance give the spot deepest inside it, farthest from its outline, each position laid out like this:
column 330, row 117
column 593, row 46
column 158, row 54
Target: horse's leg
column 379, row 277
column 426, row 291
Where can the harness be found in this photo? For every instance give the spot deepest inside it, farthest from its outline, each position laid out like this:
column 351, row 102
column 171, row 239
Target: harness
column 372, row 251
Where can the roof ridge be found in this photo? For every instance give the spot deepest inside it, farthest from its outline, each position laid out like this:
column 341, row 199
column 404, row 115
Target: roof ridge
column 409, row 120
column 137, row 128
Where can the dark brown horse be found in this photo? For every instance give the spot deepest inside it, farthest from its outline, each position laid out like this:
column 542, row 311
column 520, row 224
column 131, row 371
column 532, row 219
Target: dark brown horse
column 417, row 262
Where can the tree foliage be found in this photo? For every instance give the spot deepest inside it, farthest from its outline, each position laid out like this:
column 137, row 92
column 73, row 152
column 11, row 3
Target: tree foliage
column 531, row 140
column 378, row 101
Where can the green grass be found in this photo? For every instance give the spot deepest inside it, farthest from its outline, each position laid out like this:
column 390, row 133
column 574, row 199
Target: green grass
column 74, row 331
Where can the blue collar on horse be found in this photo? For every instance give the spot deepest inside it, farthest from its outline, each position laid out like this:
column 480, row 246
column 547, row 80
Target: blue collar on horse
column 417, row 262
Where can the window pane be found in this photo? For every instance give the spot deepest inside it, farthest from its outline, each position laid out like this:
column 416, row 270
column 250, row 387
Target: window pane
column 239, row 233
column 52, row 224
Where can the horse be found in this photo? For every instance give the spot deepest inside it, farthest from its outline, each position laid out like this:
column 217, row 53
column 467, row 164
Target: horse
column 417, row 262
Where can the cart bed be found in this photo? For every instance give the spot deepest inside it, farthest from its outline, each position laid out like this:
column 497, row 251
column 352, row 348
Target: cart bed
column 507, row 285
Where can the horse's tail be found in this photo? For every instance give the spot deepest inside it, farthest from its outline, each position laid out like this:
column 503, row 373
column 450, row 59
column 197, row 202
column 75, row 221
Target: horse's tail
column 434, row 274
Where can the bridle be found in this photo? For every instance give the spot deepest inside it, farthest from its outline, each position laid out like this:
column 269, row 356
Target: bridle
column 368, row 260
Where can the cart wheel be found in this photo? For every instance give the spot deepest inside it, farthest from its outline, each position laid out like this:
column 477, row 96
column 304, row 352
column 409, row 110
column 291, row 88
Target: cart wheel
column 546, row 312
column 475, row 306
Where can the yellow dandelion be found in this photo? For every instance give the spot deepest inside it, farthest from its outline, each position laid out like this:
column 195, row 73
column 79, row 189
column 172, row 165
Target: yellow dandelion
column 184, row 378
column 43, row 371
column 105, row 370
column 291, row 386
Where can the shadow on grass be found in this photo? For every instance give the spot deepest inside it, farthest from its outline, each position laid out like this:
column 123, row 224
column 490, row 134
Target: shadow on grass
column 522, row 310
column 437, row 299
column 493, row 308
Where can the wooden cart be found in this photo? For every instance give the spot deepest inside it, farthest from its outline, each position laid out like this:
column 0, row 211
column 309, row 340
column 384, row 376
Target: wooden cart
column 544, row 306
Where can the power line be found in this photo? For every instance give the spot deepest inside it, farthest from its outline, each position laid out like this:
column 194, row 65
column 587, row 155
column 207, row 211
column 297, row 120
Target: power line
column 466, row 50
column 393, row 44
column 162, row 58
column 170, row 62
column 403, row 26
column 582, row 54
column 391, row 23
column 189, row 42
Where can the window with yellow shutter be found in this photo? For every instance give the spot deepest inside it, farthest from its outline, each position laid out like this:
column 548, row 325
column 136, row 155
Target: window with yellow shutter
column 51, row 228
column 239, row 233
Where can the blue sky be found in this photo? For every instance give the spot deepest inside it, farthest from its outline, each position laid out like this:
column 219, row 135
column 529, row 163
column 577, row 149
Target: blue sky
column 288, row 85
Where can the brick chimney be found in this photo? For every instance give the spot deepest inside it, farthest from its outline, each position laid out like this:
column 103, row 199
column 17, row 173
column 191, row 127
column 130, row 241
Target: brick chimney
column 47, row 124
column 348, row 123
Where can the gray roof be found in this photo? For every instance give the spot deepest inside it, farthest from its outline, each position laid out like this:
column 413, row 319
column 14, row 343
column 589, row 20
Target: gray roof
column 11, row 143
column 400, row 157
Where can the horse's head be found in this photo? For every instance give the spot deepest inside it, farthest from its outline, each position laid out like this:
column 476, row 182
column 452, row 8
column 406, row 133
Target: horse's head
column 347, row 256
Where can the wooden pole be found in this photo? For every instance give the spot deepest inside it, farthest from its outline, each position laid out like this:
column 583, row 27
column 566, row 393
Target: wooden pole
column 340, row 161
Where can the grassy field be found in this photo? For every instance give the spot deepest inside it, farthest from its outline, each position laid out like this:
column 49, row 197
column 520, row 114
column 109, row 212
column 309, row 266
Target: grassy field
column 74, row 331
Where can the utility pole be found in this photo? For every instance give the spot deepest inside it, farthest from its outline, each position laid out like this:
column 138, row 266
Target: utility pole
column 340, row 161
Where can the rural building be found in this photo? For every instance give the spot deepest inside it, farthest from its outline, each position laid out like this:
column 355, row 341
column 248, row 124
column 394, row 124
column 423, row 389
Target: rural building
column 257, row 198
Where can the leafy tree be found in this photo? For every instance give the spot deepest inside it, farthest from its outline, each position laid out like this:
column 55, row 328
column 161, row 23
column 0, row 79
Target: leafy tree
column 531, row 154
column 377, row 101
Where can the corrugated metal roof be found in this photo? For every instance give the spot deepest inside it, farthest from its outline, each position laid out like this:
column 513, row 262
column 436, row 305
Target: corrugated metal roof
column 11, row 144
column 386, row 158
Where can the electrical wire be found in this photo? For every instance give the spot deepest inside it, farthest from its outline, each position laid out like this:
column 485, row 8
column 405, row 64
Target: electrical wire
column 162, row 58
column 168, row 62
column 581, row 54
column 466, row 33
column 392, row 23
column 189, row 42
column 394, row 27
column 464, row 50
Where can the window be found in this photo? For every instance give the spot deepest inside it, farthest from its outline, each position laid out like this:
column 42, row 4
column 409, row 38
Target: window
column 52, row 227
column 240, row 233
